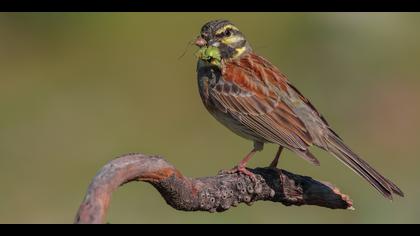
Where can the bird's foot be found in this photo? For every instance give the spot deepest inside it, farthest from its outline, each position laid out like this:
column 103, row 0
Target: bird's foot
column 240, row 170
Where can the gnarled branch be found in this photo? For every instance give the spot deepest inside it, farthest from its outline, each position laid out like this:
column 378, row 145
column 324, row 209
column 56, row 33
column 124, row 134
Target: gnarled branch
column 216, row 193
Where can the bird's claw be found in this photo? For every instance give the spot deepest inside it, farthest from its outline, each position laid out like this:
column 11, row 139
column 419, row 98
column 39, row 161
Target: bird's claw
column 240, row 170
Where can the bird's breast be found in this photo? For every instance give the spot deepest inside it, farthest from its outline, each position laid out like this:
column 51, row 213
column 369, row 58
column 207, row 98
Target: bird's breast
column 208, row 76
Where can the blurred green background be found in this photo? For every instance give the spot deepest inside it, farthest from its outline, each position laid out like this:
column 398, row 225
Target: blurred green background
column 78, row 89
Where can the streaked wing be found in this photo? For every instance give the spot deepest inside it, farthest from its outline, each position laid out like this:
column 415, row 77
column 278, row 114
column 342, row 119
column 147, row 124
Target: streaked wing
column 258, row 95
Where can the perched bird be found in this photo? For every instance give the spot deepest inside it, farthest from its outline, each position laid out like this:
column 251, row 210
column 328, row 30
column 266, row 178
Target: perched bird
column 252, row 98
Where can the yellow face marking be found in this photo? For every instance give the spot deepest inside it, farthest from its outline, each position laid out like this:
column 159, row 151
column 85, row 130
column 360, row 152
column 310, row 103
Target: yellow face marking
column 232, row 39
column 239, row 51
column 225, row 28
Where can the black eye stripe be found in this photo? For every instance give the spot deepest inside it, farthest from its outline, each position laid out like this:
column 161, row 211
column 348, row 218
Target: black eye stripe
column 228, row 32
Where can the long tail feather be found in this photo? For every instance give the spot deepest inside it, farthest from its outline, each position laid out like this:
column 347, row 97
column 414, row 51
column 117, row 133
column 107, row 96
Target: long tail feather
column 336, row 146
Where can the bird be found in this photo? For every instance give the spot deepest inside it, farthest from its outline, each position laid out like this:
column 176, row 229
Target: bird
column 255, row 100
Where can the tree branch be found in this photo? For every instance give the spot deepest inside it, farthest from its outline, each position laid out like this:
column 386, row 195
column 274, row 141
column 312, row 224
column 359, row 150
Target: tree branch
column 216, row 193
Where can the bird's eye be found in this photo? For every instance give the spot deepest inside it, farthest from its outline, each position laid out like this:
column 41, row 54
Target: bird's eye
column 227, row 33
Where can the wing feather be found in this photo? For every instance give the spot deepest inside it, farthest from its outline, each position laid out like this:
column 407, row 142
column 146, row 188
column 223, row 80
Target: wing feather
column 259, row 102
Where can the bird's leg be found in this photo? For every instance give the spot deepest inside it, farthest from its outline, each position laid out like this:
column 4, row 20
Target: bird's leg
column 275, row 162
column 241, row 167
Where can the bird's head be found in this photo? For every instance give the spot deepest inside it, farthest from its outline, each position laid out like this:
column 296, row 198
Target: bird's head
column 220, row 39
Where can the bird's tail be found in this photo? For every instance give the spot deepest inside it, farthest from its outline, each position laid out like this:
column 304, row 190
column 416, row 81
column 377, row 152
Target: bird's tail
column 337, row 147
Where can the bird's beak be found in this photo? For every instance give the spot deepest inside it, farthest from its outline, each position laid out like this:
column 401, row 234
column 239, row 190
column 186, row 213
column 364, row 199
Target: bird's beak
column 200, row 41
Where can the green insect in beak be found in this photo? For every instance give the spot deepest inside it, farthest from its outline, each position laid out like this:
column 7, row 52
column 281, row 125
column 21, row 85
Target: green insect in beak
column 210, row 54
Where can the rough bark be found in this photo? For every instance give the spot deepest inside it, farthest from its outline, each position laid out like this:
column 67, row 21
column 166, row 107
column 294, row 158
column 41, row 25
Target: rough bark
column 213, row 194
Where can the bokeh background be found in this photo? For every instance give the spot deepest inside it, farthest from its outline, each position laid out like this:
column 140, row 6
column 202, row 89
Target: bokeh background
column 78, row 89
